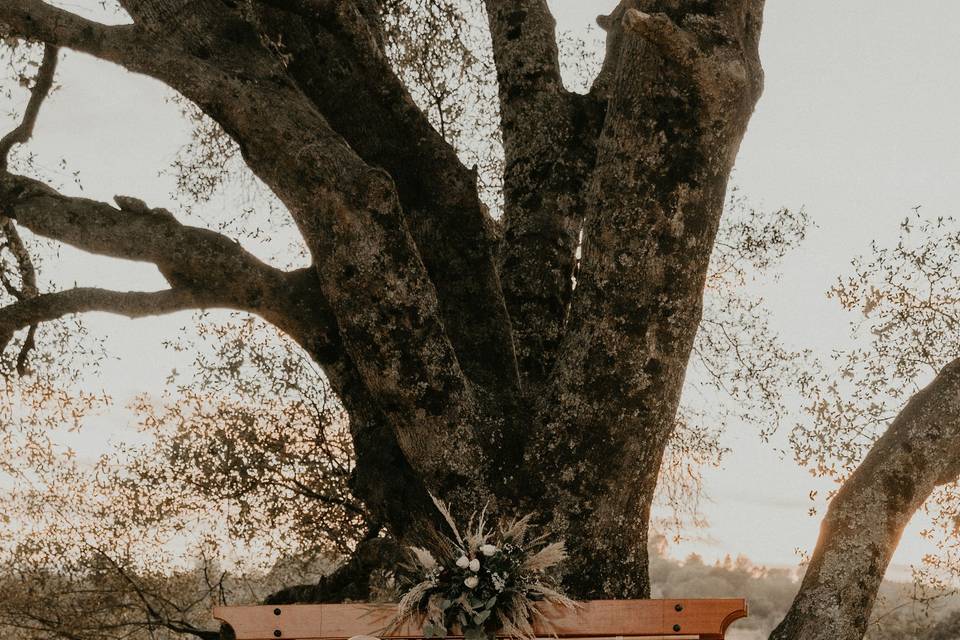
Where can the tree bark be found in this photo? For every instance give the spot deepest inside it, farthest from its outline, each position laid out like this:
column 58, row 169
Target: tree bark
column 919, row 451
column 530, row 393
column 678, row 107
column 338, row 64
column 474, row 370
column 548, row 136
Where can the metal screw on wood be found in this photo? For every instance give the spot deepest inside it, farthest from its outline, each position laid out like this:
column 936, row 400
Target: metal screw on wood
column 598, row 619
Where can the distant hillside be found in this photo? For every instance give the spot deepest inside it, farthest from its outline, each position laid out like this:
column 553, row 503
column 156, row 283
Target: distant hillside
column 769, row 593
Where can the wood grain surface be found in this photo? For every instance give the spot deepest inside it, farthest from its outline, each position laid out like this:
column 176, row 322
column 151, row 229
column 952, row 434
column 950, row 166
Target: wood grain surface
column 620, row 619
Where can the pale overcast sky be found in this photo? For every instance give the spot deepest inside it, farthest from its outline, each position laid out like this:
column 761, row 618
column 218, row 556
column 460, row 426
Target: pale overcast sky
column 857, row 124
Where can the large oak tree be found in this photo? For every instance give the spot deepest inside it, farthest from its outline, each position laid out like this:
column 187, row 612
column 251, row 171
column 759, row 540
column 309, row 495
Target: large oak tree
column 534, row 361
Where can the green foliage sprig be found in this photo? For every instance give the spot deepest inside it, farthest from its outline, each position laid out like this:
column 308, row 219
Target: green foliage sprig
column 485, row 582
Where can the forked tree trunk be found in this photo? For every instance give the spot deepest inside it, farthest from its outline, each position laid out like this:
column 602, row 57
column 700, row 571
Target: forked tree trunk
column 680, row 89
column 470, row 366
column 471, row 370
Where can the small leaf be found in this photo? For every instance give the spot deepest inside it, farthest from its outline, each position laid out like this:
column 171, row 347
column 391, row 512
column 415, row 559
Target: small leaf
column 492, row 601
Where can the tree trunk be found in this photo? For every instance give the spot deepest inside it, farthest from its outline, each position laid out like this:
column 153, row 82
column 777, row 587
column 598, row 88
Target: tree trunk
column 920, row 451
column 677, row 111
column 471, row 367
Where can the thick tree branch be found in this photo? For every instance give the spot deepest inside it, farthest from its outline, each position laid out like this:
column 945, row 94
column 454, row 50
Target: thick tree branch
column 278, row 131
column 672, row 41
column 919, row 451
column 338, row 62
column 547, row 163
column 548, row 137
column 669, row 139
column 370, row 271
column 38, row 21
column 524, row 39
column 50, row 306
column 214, row 267
column 215, row 270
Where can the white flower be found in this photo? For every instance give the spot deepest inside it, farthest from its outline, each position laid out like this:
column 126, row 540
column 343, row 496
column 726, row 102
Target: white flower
column 488, row 550
column 475, row 565
column 463, row 562
column 471, row 582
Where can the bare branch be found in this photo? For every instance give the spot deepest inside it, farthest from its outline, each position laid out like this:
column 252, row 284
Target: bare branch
column 28, row 285
column 28, row 273
column 207, row 262
column 20, row 135
column 29, row 344
column 50, row 306
column 919, row 451
column 218, row 271
column 376, row 115
column 39, row 92
column 156, row 617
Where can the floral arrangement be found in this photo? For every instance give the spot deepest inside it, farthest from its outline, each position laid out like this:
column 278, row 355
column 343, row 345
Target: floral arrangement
column 485, row 582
